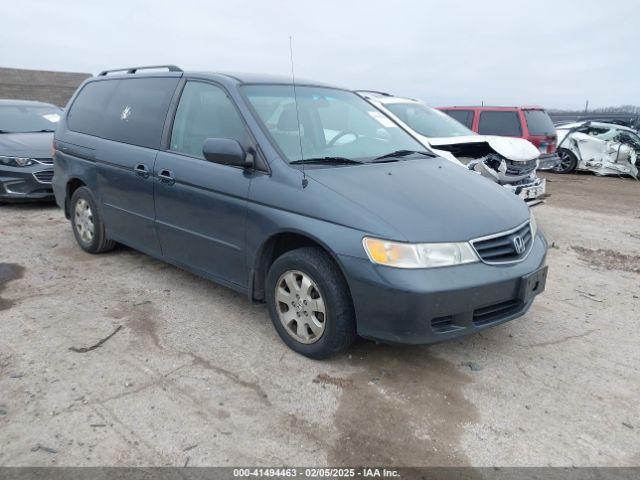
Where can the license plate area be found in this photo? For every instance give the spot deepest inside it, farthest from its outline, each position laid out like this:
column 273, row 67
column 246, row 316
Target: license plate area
column 533, row 284
column 529, row 193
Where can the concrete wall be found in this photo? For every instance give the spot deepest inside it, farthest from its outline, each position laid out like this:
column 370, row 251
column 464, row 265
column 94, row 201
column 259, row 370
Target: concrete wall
column 41, row 85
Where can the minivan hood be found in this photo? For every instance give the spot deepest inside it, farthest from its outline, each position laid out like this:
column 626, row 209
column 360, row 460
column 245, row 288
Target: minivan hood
column 427, row 200
column 36, row 145
column 516, row 149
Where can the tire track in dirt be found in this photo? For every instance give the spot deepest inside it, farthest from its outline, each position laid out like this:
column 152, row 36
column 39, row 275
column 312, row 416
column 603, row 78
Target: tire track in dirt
column 404, row 407
column 8, row 273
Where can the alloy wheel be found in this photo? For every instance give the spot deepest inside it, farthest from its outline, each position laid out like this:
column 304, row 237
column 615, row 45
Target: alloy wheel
column 565, row 161
column 300, row 306
column 83, row 220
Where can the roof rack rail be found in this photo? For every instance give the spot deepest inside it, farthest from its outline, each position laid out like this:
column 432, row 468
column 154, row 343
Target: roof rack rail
column 384, row 94
column 132, row 70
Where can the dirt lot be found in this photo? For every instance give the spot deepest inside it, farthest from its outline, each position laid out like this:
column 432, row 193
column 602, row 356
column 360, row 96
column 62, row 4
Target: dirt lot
column 197, row 374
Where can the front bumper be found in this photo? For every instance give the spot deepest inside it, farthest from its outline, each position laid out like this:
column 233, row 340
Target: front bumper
column 431, row 305
column 26, row 183
column 521, row 180
column 529, row 191
column 548, row 161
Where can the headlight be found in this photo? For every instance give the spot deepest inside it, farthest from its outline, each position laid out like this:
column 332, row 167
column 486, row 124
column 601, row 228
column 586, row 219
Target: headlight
column 418, row 255
column 533, row 224
column 16, row 161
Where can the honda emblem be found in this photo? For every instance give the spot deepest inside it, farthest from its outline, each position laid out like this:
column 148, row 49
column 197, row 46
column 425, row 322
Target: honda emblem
column 518, row 244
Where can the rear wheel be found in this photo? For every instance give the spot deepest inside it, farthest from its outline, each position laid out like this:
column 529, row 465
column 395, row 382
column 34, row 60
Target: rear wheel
column 87, row 224
column 309, row 303
column 568, row 161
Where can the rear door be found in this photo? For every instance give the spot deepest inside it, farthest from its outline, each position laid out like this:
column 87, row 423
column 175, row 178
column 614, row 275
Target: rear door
column 201, row 206
column 131, row 132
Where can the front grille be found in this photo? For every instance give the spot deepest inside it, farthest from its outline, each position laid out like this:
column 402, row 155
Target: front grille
column 521, row 168
column 498, row 311
column 44, row 176
column 503, row 247
column 45, row 161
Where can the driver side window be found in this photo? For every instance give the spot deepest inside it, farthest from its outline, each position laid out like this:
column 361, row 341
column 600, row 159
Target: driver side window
column 204, row 112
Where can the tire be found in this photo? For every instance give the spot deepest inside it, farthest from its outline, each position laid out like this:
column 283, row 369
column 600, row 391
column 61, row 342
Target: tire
column 311, row 266
column 81, row 220
column 568, row 161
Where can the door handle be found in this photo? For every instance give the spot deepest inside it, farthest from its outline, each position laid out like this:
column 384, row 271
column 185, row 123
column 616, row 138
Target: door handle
column 141, row 170
column 166, row 176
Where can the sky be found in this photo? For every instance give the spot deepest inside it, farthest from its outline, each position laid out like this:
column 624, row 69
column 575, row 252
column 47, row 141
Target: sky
column 558, row 54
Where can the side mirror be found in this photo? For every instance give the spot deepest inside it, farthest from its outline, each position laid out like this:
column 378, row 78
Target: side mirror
column 226, row 151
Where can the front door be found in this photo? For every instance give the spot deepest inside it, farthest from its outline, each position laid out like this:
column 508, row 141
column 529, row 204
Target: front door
column 201, row 206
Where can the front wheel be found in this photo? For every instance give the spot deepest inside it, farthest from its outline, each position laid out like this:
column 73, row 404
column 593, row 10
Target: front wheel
column 568, row 161
column 310, row 304
column 87, row 224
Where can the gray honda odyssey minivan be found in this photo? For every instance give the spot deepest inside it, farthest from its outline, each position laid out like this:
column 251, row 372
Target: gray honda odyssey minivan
column 302, row 195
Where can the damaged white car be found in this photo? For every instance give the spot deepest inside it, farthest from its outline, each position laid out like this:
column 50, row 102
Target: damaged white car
column 510, row 162
column 602, row 148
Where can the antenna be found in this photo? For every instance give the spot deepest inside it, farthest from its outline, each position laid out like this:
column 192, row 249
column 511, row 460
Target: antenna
column 295, row 101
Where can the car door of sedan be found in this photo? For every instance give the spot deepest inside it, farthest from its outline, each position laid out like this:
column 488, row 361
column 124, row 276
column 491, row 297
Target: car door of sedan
column 201, row 206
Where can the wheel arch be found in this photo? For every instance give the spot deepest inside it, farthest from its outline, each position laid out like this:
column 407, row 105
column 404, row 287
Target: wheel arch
column 73, row 184
column 276, row 245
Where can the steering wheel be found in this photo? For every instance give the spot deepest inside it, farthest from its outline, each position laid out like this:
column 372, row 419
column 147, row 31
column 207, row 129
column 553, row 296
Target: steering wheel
column 341, row 134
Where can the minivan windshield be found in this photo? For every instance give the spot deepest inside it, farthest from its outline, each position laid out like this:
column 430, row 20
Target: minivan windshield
column 427, row 121
column 327, row 124
column 28, row 118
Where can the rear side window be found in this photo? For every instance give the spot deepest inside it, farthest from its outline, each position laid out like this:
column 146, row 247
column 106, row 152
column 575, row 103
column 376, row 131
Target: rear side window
column 465, row 117
column 87, row 111
column 539, row 122
column 500, row 123
column 137, row 111
column 204, row 112
column 129, row 111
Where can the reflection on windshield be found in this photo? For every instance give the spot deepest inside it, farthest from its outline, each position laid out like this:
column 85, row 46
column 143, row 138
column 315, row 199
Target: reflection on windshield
column 427, row 121
column 28, row 118
column 326, row 123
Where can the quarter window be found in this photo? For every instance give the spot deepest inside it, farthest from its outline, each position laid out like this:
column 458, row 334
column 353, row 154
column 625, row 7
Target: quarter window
column 503, row 123
column 204, row 112
column 87, row 111
column 539, row 123
column 465, row 117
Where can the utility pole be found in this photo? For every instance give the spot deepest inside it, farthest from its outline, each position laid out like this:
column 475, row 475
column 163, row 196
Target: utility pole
column 586, row 107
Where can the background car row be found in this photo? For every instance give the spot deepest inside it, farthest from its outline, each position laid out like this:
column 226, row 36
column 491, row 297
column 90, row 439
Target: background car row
column 504, row 144
column 26, row 137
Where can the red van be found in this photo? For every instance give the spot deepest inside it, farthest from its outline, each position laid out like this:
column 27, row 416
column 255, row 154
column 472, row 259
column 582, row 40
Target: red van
column 530, row 123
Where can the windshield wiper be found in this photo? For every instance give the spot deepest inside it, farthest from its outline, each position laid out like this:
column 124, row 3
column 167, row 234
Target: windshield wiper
column 401, row 153
column 327, row 161
column 44, row 130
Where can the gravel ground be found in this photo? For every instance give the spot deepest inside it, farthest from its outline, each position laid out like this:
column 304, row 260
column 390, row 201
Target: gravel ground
column 196, row 374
